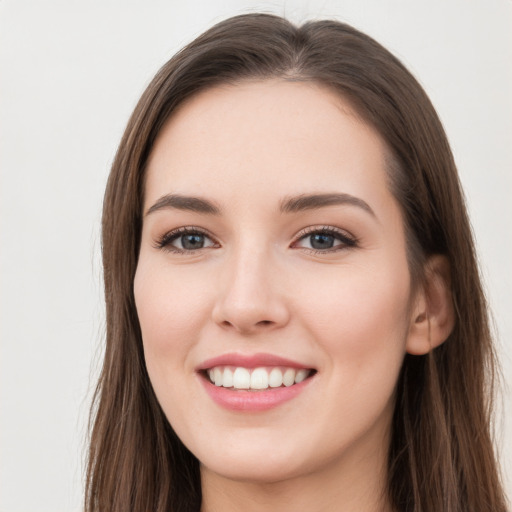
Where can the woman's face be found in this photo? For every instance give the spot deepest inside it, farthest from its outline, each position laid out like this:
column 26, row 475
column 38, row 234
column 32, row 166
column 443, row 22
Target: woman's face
column 271, row 241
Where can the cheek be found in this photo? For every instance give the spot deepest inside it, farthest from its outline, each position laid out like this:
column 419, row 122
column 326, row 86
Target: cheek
column 360, row 317
column 360, row 324
column 171, row 310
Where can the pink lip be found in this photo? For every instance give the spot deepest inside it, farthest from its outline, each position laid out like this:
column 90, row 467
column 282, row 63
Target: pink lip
column 246, row 400
column 249, row 361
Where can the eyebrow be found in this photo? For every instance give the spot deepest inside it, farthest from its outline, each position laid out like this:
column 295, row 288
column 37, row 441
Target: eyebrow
column 288, row 205
column 187, row 203
column 315, row 201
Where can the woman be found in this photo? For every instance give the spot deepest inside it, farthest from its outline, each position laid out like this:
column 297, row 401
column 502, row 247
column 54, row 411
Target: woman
column 295, row 319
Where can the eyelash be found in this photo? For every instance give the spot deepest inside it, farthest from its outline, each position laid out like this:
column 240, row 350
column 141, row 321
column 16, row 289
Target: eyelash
column 165, row 241
column 347, row 241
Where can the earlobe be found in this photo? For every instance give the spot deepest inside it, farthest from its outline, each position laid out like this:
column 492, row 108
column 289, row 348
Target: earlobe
column 433, row 315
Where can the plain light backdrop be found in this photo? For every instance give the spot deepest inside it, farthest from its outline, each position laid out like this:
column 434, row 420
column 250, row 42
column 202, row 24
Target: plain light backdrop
column 70, row 74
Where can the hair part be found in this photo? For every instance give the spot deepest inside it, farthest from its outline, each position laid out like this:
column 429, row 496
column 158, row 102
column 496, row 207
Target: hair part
column 441, row 455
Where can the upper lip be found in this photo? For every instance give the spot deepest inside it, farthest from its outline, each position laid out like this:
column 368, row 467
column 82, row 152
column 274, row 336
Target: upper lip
column 250, row 361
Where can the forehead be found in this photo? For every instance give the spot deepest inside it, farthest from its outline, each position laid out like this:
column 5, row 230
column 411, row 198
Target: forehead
column 271, row 136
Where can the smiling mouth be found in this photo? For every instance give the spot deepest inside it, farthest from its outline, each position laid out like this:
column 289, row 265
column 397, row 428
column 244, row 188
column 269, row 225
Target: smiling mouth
column 256, row 379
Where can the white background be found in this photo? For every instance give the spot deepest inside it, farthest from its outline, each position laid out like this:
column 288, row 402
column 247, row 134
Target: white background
column 70, row 74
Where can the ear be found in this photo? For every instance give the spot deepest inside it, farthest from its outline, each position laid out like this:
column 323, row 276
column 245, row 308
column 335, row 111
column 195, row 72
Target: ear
column 433, row 315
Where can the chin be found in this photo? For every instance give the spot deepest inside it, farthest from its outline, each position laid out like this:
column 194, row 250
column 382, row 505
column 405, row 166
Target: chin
column 257, row 470
column 262, row 457
column 253, row 455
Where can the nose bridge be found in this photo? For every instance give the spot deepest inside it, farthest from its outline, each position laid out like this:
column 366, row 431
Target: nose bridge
column 250, row 296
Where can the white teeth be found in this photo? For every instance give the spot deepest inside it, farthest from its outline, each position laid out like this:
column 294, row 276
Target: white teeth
column 228, row 378
column 259, row 378
column 289, row 377
column 275, row 379
column 241, row 379
column 301, row 375
column 217, row 376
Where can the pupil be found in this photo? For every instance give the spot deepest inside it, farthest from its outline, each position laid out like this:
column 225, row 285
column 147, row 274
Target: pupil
column 192, row 241
column 322, row 241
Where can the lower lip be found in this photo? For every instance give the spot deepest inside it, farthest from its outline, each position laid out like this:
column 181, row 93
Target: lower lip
column 246, row 400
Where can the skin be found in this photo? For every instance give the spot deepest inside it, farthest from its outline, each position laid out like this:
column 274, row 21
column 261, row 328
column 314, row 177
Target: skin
column 258, row 287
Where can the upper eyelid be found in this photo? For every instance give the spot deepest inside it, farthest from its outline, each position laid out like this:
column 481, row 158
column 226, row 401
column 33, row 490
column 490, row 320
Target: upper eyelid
column 323, row 229
column 171, row 235
column 187, row 230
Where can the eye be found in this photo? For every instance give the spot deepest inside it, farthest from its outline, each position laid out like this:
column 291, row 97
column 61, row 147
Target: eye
column 324, row 239
column 186, row 239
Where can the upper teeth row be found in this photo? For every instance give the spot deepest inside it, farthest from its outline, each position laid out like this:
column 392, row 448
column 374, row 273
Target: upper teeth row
column 258, row 378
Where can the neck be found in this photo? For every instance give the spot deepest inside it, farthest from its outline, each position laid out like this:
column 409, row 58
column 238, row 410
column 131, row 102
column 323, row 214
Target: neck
column 356, row 486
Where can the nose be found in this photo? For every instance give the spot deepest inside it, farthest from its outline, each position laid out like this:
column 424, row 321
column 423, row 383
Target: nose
column 251, row 297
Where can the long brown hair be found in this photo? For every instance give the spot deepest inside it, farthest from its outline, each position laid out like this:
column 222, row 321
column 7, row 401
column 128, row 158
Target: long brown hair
column 441, row 455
